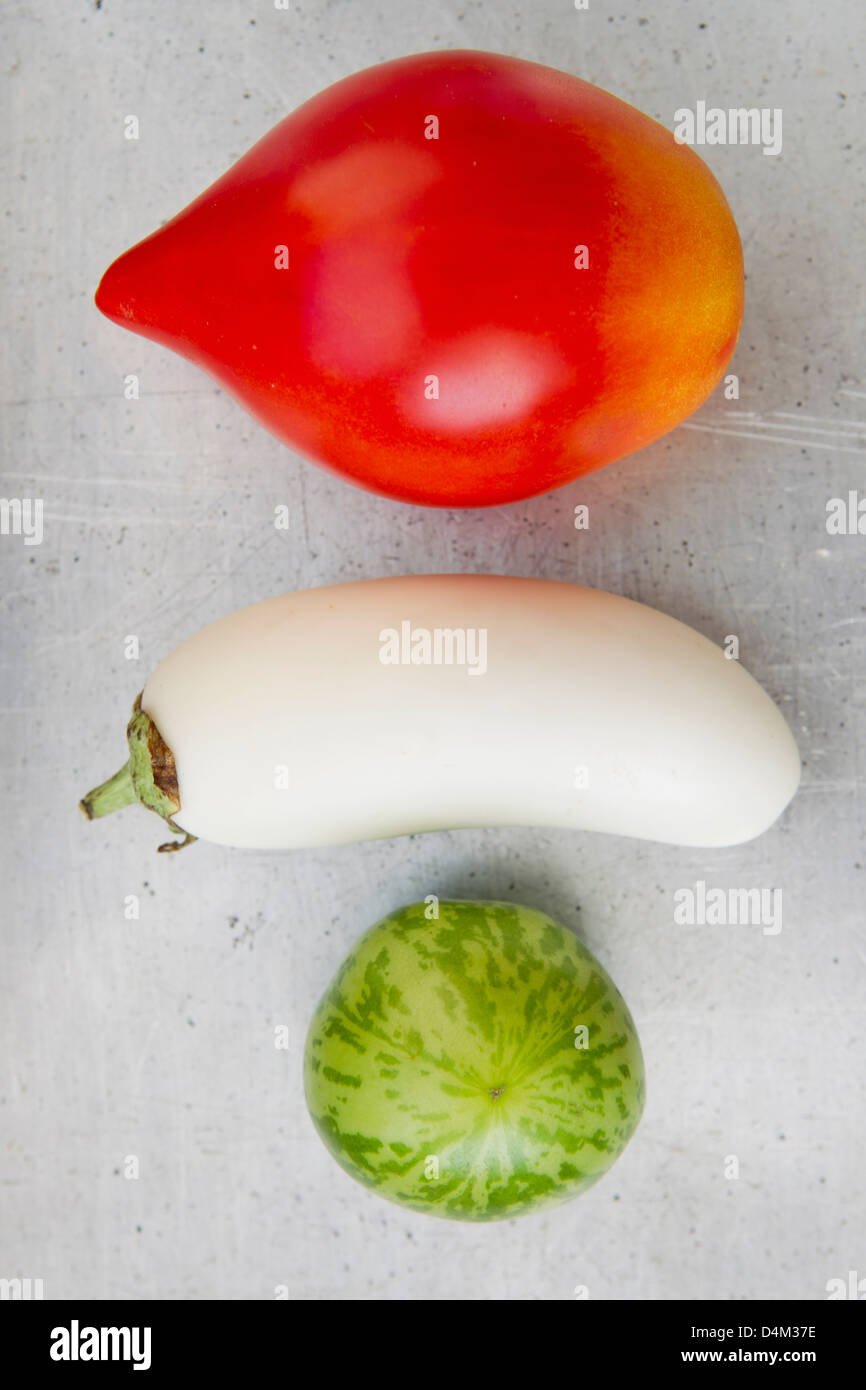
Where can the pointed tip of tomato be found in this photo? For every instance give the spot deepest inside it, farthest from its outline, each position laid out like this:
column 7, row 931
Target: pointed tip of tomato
column 139, row 290
column 129, row 291
column 114, row 296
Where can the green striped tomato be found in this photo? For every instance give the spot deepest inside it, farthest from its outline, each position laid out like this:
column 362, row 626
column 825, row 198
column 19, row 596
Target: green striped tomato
column 473, row 1060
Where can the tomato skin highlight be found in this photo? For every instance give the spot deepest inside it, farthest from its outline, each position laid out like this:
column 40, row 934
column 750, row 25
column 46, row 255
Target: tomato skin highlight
column 431, row 338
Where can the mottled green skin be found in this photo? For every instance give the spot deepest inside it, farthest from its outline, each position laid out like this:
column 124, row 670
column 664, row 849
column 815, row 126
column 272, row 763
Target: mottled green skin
column 454, row 1039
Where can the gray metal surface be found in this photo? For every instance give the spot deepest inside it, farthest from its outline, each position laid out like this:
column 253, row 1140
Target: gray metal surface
column 154, row 1038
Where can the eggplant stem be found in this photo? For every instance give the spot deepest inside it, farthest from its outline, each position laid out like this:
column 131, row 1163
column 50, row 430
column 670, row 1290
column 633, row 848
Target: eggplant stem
column 110, row 796
column 150, row 777
column 171, row 846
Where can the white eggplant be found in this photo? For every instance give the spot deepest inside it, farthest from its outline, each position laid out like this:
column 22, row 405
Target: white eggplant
column 393, row 706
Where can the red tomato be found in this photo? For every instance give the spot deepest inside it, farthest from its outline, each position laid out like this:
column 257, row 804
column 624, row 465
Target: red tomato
column 430, row 328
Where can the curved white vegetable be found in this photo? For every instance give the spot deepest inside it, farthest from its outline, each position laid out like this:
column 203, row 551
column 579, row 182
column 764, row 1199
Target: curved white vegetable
column 290, row 727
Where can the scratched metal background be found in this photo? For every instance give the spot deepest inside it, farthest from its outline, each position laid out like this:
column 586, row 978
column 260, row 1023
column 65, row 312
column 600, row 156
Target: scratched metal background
column 155, row 1038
